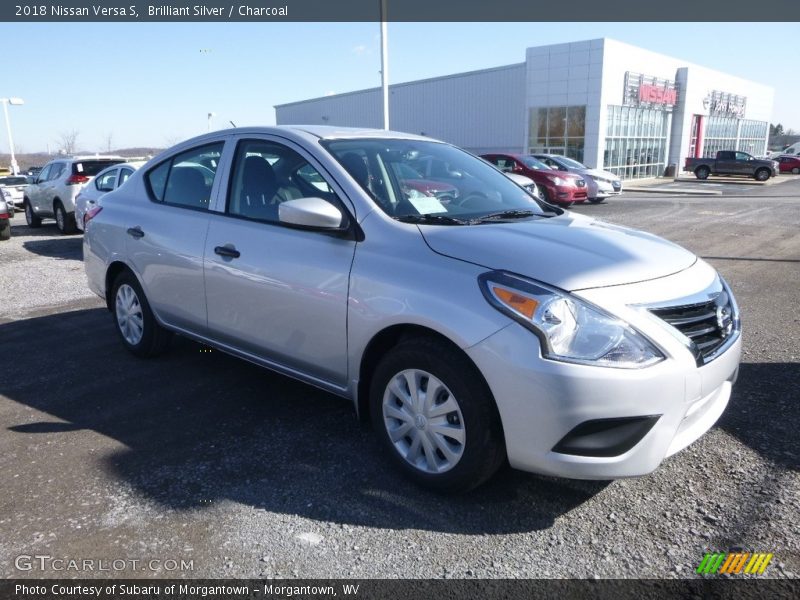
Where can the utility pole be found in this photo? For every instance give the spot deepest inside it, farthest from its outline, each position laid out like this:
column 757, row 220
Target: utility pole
column 384, row 65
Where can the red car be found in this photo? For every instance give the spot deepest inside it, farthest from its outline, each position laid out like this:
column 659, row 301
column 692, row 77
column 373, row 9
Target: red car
column 789, row 164
column 557, row 187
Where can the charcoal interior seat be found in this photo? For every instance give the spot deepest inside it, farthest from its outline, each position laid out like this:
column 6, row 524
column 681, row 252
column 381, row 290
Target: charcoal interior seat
column 187, row 186
column 259, row 187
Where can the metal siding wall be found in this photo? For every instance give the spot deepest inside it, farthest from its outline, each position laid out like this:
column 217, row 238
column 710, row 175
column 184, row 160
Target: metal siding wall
column 482, row 111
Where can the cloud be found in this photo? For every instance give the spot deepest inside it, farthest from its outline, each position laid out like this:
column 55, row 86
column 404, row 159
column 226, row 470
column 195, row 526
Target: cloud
column 359, row 50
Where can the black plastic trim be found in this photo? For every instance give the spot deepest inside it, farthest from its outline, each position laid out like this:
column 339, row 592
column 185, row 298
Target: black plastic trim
column 606, row 437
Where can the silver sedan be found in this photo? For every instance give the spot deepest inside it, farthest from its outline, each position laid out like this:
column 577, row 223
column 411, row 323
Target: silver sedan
column 470, row 329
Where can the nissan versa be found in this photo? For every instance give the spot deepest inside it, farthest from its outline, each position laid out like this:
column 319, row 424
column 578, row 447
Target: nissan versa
column 469, row 327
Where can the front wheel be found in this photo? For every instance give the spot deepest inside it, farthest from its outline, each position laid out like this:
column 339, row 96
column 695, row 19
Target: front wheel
column 596, row 200
column 135, row 323
column 436, row 417
column 762, row 174
column 30, row 217
column 796, row 171
column 702, row 172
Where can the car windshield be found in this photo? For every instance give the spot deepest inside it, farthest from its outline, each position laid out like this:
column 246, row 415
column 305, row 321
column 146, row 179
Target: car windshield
column 534, row 163
column 572, row 164
column 430, row 182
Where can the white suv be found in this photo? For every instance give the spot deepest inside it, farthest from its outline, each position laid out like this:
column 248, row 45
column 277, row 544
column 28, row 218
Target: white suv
column 52, row 194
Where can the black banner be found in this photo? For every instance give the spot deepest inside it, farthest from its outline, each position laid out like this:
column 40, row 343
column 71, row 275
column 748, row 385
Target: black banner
column 398, row 589
column 399, row 10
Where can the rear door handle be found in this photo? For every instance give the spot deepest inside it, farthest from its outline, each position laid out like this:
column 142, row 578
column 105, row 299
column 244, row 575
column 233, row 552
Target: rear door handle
column 136, row 232
column 227, row 251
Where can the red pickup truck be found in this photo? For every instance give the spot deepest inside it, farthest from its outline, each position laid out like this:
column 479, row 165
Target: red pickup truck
column 731, row 162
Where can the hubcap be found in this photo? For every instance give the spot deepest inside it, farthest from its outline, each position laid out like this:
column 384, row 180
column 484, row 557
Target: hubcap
column 130, row 319
column 424, row 421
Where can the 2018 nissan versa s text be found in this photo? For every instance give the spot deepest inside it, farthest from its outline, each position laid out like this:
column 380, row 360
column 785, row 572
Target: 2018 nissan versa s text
column 469, row 327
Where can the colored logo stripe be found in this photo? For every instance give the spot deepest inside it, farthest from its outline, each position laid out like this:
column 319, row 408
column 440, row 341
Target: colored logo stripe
column 734, row 562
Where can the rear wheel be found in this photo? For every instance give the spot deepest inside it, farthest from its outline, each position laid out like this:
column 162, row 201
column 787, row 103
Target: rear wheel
column 762, row 174
column 5, row 230
column 64, row 221
column 30, row 217
column 435, row 415
column 135, row 323
column 702, row 172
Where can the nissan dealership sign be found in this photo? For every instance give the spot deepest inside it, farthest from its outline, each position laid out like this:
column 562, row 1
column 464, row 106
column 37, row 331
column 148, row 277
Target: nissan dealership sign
column 647, row 91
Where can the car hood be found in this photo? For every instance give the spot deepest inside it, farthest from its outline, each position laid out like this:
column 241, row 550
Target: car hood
column 599, row 173
column 570, row 252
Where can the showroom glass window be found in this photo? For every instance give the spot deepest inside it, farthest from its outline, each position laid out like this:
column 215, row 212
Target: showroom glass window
column 558, row 130
column 730, row 133
column 636, row 141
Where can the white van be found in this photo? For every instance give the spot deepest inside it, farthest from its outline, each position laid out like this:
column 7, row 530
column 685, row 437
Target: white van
column 793, row 149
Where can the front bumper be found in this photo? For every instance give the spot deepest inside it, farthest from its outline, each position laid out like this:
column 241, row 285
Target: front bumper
column 570, row 194
column 542, row 401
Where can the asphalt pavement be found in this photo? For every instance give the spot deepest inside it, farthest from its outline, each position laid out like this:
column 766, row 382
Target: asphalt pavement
column 200, row 465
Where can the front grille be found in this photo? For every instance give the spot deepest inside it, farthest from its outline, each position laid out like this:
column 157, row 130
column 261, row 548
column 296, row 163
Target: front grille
column 708, row 324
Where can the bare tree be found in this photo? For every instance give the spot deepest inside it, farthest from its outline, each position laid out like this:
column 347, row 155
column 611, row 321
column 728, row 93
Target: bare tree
column 67, row 141
column 109, row 140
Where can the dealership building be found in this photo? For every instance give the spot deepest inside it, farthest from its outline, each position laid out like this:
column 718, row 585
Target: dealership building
column 602, row 102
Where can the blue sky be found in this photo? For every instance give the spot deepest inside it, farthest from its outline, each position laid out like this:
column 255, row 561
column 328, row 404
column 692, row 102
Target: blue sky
column 149, row 84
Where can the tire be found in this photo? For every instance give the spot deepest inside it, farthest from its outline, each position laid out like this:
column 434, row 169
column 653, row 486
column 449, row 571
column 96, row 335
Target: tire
column 133, row 319
column 796, row 171
column 5, row 231
column 64, row 221
column 596, row 200
column 33, row 221
column 463, row 406
column 762, row 174
column 702, row 172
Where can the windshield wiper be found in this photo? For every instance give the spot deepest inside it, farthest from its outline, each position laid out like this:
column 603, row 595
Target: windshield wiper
column 507, row 214
column 431, row 220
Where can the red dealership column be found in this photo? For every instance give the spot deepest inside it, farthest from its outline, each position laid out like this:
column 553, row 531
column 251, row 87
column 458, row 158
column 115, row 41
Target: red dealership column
column 698, row 147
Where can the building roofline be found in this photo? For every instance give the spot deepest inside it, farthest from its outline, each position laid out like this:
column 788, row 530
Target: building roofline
column 404, row 84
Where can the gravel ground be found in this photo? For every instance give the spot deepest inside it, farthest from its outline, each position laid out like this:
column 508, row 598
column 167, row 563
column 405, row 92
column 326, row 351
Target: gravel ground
column 201, row 457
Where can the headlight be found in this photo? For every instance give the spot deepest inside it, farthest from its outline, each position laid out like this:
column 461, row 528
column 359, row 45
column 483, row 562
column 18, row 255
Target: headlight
column 570, row 329
column 560, row 181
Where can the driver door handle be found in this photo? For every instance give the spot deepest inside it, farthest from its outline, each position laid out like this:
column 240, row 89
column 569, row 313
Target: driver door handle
column 136, row 232
column 227, row 251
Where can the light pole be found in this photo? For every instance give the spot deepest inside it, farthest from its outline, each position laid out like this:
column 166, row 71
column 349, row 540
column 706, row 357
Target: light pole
column 384, row 66
column 210, row 115
column 15, row 102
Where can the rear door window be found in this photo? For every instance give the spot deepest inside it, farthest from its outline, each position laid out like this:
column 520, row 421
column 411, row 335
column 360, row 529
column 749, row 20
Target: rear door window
column 187, row 178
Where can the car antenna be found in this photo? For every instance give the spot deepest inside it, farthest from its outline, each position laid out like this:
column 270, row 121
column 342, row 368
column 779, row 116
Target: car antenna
column 232, row 123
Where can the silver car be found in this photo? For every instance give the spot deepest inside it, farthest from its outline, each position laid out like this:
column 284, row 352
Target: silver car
column 599, row 184
column 470, row 329
column 105, row 181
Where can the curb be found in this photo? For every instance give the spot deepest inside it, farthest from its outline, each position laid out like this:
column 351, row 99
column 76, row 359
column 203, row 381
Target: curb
column 673, row 191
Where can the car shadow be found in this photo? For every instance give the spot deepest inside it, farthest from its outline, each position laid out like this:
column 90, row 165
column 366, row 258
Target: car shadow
column 197, row 426
column 64, row 248
column 764, row 413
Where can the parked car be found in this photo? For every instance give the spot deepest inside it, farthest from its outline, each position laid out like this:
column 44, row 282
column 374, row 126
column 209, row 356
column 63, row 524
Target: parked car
column 33, row 171
column 105, row 181
column 599, row 184
column 12, row 187
column 526, row 183
column 52, row 195
column 555, row 187
column 794, row 149
column 6, row 214
column 467, row 333
column 788, row 164
column 730, row 162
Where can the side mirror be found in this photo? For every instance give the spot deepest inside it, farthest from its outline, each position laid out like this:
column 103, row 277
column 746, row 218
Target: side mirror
column 313, row 213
